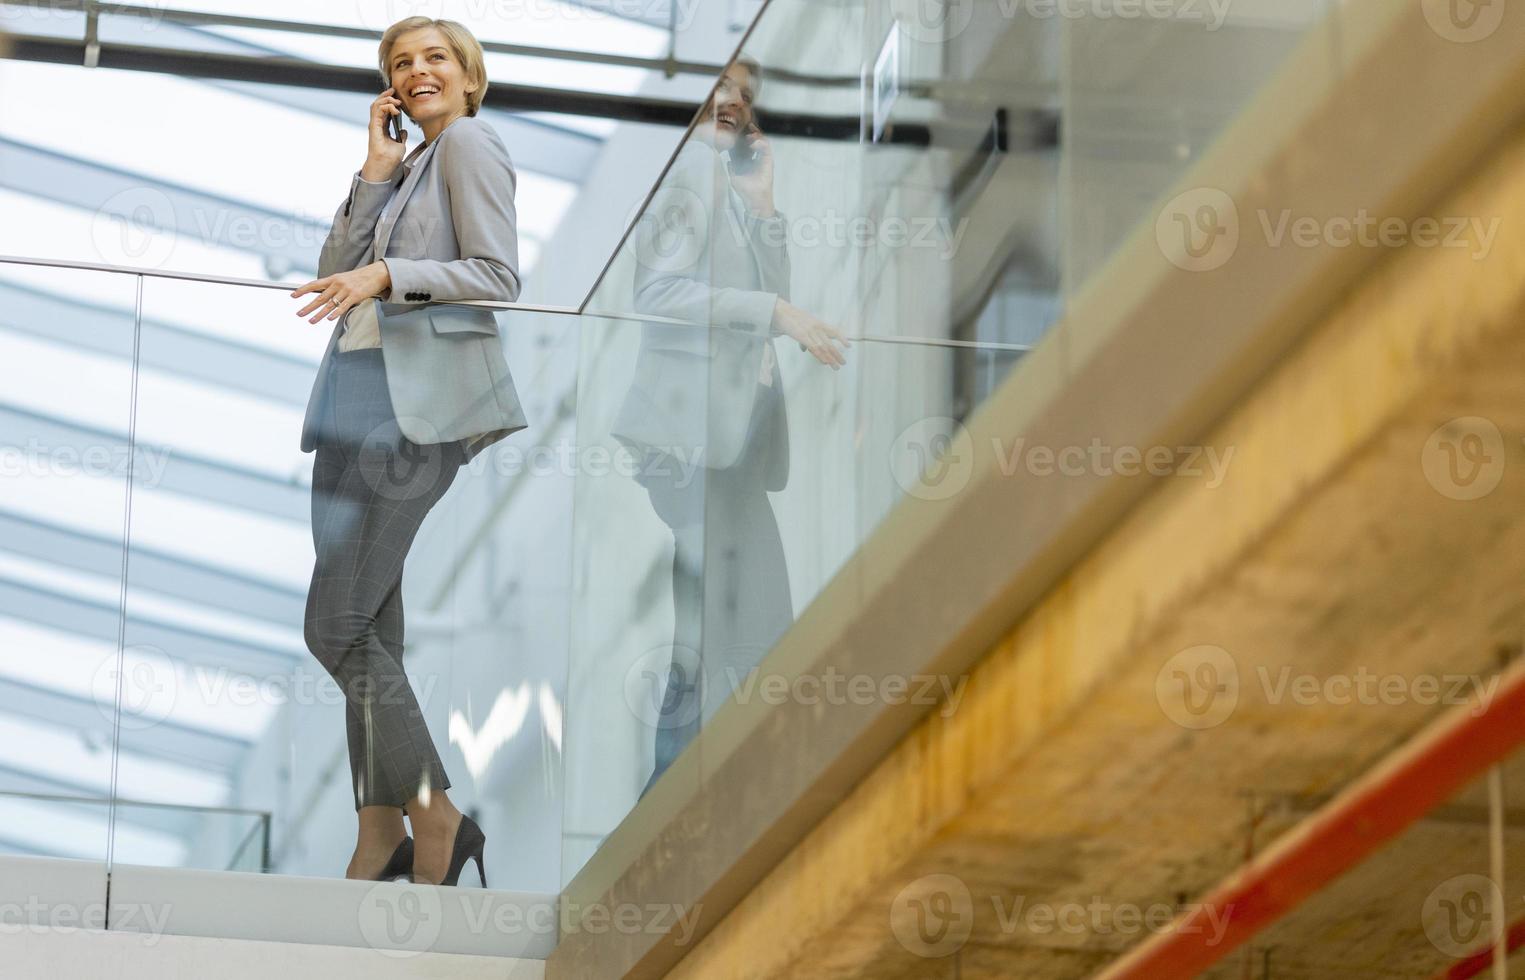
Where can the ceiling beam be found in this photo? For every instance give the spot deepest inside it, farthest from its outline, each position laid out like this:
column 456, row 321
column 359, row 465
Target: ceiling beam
column 308, row 75
column 219, row 362
column 208, row 218
column 100, row 621
column 160, row 820
column 184, row 473
column 152, row 570
column 168, row 741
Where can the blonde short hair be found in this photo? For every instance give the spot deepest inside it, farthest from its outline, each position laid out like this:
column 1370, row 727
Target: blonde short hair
column 465, row 45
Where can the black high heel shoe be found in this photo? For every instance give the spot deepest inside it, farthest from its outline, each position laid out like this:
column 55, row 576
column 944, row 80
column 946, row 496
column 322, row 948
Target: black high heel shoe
column 400, row 864
column 468, row 844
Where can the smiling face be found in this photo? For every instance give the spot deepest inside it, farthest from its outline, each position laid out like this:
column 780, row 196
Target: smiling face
column 730, row 111
column 429, row 77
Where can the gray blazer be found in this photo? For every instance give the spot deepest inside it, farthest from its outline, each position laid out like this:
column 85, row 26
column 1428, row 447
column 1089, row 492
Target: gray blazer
column 703, row 257
column 451, row 234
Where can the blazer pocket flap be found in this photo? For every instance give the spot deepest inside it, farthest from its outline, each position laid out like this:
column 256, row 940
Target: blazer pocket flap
column 463, row 319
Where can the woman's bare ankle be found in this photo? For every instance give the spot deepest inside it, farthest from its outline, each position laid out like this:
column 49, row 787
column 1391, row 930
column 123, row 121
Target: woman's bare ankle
column 440, row 813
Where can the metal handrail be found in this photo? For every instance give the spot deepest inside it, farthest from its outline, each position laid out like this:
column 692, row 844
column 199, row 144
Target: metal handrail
column 262, row 817
column 513, row 307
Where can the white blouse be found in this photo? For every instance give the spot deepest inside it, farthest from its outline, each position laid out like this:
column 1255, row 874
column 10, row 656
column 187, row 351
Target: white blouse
column 361, row 327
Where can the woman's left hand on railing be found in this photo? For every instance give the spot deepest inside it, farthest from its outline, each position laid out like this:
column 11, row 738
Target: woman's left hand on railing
column 342, row 290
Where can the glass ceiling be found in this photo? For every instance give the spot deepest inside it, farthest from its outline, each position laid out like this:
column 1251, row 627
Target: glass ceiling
column 232, row 180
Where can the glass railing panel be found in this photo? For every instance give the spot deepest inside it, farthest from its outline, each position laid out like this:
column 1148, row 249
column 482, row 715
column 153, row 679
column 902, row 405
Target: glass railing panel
column 234, row 702
column 859, row 283
column 1145, row 97
column 145, row 832
column 183, row 202
column 639, row 547
column 65, row 411
column 928, row 189
column 216, row 673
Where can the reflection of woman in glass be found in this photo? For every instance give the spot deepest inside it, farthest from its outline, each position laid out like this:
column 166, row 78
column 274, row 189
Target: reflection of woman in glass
column 408, row 391
column 705, row 412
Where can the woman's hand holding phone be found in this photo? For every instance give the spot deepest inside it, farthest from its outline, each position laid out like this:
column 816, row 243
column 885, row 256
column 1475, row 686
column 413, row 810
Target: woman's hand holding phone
column 386, row 154
column 752, row 171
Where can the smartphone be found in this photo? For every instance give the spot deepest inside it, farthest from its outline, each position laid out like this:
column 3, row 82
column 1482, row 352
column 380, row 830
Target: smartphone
column 745, row 156
column 394, row 128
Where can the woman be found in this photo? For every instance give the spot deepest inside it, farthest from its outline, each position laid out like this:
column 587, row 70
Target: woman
column 407, row 392
column 705, row 413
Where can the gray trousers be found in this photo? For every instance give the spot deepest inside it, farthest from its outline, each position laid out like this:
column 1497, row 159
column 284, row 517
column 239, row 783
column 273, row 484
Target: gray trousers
column 371, row 489
column 730, row 583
